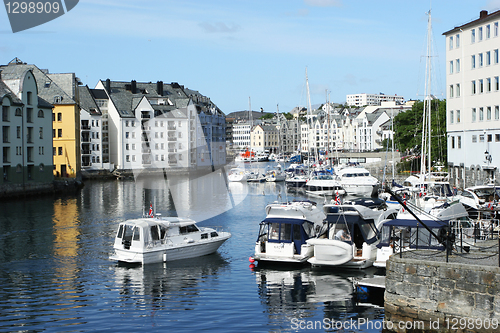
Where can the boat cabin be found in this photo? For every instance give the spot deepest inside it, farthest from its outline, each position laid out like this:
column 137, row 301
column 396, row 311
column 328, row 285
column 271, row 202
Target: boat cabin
column 286, row 231
column 345, row 219
column 151, row 232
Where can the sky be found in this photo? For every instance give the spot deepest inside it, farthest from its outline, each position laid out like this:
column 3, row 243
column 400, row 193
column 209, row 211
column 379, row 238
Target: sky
column 257, row 52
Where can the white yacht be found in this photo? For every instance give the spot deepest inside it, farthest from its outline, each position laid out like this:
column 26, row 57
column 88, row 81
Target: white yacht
column 155, row 239
column 285, row 230
column 237, row 175
column 350, row 233
column 275, row 175
column 479, row 198
column 322, row 183
column 358, row 181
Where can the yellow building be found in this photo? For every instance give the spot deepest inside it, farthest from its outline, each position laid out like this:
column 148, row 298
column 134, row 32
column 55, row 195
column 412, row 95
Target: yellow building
column 66, row 140
column 62, row 91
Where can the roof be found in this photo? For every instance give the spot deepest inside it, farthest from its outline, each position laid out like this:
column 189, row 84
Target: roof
column 416, row 224
column 87, row 101
column 483, row 17
column 4, row 90
column 47, row 87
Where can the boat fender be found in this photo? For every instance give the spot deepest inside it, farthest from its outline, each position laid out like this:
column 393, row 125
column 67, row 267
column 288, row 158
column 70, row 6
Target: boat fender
column 251, row 259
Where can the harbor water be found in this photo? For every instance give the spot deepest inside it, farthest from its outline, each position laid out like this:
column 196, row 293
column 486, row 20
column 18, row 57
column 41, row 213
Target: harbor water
column 55, row 275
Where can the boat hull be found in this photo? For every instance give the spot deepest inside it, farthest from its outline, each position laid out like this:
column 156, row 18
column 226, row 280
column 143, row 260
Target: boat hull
column 170, row 252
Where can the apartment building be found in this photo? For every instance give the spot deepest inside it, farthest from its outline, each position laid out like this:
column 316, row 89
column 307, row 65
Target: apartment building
column 372, row 99
column 473, row 99
column 26, row 126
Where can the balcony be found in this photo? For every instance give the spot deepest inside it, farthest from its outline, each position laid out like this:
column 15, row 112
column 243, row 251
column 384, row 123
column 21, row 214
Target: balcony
column 85, row 139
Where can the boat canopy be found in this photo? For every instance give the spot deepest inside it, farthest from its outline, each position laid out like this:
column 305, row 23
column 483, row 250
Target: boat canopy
column 285, row 230
column 414, row 234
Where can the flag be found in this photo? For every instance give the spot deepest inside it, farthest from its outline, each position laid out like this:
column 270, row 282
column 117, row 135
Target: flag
column 337, row 199
column 150, row 214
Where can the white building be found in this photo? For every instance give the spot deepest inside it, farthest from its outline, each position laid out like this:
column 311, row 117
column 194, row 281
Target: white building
column 156, row 126
column 241, row 135
column 372, row 99
column 473, row 98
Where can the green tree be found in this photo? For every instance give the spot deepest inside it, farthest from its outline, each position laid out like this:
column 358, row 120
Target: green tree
column 408, row 130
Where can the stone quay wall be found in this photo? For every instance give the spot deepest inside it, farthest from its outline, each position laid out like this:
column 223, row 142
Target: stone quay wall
column 429, row 296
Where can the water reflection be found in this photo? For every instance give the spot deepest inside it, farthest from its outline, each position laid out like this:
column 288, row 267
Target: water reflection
column 172, row 285
column 291, row 295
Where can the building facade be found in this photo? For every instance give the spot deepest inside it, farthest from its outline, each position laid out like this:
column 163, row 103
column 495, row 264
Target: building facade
column 372, row 99
column 473, row 99
column 26, row 131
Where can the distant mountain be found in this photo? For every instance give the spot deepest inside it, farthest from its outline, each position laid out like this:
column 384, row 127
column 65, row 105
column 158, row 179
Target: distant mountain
column 245, row 115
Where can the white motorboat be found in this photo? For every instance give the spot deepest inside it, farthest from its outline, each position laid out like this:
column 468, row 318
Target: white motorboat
column 479, row 198
column 322, row 183
column 275, row 175
column 350, row 233
column 237, row 175
column 255, row 177
column 285, row 230
column 358, row 181
column 157, row 239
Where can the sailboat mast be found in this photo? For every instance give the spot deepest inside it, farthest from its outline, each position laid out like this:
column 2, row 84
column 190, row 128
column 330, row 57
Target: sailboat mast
column 426, row 128
column 309, row 114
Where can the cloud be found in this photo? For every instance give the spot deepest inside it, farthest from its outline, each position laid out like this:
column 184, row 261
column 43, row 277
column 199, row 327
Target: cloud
column 219, row 27
column 324, row 3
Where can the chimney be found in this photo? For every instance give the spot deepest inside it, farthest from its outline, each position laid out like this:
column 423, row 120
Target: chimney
column 159, row 87
column 108, row 86
column 133, row 86
column 483, row 14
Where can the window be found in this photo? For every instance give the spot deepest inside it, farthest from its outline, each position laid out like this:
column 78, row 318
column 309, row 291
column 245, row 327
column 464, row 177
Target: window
column 5, row 113
column 458, row 116
column 18, row 130
column 488, row 58
column 481, row 138
column 474, row 138
column 490, row 137
column 458, row 90
column 127, row 158
column 451, row 42
column 457, row 41
column 497, row 83
column 473, row 36
column 41, row 132
column 481, row 114
column 29, row 98
column 495, row 29
column 451, row 116
column 497, row 113
column 452, row 142
column 53, row 116
column 473, row 62
column 451, row 67
column 29, row 115
column 497, row 137
column 451, row 91
column 488, row 84
column 488, row 113
column 481, row 86
column 487, row 31
column 126, row 135
column 473, row 87
column 457, row 65
column 480, row 33
column 59, row 151
column 59, row 133
column 459, row 142
column 473, row 114
column 59, row 116
column 54, row 151
column 5, row 134
column 480, row 60
column 53, row 132
column 40, row 114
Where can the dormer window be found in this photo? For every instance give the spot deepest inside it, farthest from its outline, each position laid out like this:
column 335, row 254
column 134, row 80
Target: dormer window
column 58, row 99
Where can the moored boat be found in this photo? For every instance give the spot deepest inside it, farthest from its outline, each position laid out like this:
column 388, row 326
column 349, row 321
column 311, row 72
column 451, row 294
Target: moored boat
column 350, row 233
column 285, row 230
